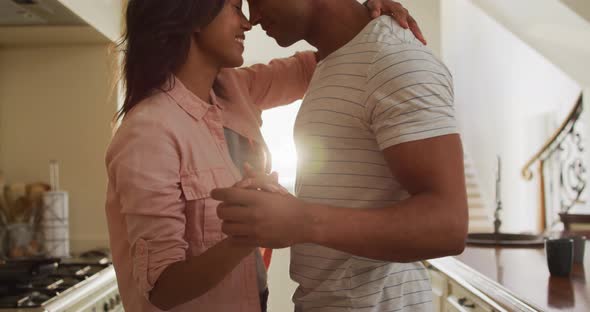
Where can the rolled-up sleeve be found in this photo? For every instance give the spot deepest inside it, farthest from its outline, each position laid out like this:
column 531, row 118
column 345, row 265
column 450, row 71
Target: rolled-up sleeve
column 145, row 171
column 280, row 82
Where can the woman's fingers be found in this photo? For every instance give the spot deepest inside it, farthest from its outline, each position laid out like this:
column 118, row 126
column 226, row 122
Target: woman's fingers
column 249, row 171
column 374, row 8
column 267, row 184
column 416, row 30
column 399, row 13
column 275, row 177
column 260, row 181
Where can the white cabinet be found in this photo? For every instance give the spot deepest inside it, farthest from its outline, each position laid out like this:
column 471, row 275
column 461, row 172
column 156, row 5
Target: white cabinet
column 449, row 296
column 459, row 299
column 439, row 288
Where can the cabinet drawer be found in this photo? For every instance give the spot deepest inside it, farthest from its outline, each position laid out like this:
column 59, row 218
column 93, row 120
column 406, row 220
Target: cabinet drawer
column 461, row 300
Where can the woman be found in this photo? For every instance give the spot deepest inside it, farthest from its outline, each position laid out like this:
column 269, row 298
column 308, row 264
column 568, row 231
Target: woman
column 188, row 120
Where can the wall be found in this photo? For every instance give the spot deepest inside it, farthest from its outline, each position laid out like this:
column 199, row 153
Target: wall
column 581, row 7
column 427, row 13
column 104, row 15
column 560, row 34
column 55, row 103
column 505, row 92
column 2, row 61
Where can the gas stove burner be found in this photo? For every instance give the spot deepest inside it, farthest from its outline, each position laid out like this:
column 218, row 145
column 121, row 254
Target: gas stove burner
column 34, row 299
column 25, row 300
column 28, row 285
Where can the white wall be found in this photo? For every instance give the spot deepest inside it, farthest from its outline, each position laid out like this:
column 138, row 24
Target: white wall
column 428, row 15
column 55, row 103
column 104, row 15
column 551, row 27
column 504, row 93
column 581, row 7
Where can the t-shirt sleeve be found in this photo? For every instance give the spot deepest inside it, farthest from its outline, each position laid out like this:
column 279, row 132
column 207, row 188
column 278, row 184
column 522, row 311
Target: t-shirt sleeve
column 409, row 96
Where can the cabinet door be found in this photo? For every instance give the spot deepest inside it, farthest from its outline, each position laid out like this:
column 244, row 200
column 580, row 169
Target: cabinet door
column 461, row 300
column 439, row 288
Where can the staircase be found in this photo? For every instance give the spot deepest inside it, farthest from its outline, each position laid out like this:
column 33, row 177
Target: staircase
column 480, row 219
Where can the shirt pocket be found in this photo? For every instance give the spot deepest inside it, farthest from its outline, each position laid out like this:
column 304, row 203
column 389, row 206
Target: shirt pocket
column 202, row 221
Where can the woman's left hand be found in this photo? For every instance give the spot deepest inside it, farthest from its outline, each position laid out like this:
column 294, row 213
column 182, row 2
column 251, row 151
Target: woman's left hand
column 399, row 14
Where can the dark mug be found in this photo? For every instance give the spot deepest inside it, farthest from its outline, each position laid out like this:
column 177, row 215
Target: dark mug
column 560, row 256
column 579, row 246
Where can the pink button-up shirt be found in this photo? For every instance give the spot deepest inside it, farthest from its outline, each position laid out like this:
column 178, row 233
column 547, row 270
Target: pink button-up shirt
column 163, row 162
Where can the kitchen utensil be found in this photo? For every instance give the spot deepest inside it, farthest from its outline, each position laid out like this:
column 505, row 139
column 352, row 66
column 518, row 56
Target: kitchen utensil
column 54, row 175
column 20, row 236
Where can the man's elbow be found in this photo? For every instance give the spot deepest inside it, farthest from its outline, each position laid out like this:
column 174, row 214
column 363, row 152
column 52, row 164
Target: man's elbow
column 457, row 246
column 457, row 232
column 160, row 303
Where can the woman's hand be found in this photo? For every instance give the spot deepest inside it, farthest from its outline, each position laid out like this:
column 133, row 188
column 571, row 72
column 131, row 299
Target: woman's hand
column 398, row 12
column 260, row 181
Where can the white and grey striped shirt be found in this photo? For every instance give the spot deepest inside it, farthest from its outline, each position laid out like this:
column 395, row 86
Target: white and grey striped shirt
column 381, row 89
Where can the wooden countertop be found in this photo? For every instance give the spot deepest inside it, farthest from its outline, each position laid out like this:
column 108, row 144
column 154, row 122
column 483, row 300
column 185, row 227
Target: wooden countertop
column 521, row 274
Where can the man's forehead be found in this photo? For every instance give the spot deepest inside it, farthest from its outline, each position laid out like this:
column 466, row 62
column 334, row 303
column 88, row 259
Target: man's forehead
column 255, row 2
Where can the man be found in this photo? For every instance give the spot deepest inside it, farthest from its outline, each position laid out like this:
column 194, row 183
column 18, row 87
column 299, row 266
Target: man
column 380, row 181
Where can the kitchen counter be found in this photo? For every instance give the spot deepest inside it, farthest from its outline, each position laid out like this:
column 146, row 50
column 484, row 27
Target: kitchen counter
column 517, row 279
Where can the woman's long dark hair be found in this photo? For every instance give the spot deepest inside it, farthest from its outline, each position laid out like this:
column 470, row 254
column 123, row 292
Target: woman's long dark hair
column 157, row 41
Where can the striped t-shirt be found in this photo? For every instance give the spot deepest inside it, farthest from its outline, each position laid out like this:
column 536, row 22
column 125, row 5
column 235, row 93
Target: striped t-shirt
column 381, row 89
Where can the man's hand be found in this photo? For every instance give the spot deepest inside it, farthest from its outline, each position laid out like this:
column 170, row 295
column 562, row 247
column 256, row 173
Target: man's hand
column 398, row 12
column 263, row 219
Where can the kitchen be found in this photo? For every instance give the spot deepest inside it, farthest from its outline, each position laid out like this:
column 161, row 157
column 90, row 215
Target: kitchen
column 58, row 95
column 58, row 92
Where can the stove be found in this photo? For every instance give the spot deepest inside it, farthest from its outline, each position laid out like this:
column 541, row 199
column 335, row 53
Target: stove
column 78, row 284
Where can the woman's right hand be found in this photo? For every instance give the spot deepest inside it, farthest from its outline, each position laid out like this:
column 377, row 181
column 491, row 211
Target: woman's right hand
column 398, row 12
column 261, row 181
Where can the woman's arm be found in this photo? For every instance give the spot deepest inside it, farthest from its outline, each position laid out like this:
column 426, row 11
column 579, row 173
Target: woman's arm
column 283, row 81
column 280, row 82
column 202, row 273
column 145, row 173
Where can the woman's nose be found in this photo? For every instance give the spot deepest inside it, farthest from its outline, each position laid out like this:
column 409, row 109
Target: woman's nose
column 246, row 25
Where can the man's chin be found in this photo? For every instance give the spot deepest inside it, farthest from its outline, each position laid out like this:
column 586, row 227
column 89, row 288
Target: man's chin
column 284, row 43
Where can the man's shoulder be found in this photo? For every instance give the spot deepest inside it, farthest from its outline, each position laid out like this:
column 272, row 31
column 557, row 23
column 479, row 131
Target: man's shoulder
column 384, row 36
column 385, row 30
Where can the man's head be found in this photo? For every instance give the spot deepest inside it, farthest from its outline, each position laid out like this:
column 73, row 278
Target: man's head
column 287, row 21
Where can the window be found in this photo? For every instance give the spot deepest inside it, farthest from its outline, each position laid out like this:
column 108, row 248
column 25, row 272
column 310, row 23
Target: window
column 277, row 130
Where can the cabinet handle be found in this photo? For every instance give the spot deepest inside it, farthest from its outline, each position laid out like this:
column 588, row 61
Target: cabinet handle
column 463, row 303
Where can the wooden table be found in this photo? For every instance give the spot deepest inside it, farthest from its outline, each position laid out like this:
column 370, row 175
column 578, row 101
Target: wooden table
column 524, row 274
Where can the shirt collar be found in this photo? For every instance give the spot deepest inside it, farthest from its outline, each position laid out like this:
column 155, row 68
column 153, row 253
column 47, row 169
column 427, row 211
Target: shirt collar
column 188, row 101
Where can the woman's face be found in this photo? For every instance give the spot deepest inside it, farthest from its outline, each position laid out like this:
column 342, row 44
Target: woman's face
column 223, row 38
